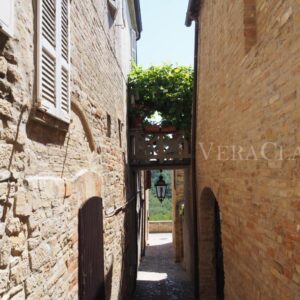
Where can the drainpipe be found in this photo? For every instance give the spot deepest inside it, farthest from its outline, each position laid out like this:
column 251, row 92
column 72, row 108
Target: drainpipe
column 194, row 170
column 192, row 14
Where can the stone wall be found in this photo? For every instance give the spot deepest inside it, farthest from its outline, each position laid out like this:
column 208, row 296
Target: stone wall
column 47, row 174
column 160, row 226
column 248, row 94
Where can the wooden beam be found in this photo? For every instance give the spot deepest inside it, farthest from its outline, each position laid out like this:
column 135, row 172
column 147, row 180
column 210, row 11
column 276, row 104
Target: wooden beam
column 168, row 165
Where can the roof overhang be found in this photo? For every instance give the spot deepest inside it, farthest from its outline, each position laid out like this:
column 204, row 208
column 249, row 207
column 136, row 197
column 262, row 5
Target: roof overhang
column 192, row 12
column 136, row 16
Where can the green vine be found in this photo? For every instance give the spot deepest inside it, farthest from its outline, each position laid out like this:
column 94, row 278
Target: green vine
column 165, row 89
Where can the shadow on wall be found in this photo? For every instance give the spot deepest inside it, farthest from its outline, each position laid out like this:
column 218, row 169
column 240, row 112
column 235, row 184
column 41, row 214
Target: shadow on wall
column 44, row 134
column 62, row 133
column 211, row 242
column 17, row 147
column 108, row 282
column 10, row 135
column 129, row 240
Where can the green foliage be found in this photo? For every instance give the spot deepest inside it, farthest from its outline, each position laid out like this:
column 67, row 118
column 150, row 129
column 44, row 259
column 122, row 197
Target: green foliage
column 167, row 89
column 158, row 211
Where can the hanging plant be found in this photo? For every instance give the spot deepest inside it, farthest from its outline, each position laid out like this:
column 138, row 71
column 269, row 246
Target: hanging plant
column 166, row 89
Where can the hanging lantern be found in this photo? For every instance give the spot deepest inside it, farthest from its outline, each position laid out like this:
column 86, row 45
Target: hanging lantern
column 161, row 188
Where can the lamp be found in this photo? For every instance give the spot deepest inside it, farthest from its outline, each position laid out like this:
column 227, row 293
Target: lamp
column 161, row 188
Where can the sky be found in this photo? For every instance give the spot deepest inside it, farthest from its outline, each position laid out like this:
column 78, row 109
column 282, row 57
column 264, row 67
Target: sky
column 165, row 38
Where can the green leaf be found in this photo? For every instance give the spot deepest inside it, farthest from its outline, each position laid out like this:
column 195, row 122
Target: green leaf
column 166, row 89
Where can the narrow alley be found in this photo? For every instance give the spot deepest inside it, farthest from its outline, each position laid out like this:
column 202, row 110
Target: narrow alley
column 150, row 150
column 159, row 277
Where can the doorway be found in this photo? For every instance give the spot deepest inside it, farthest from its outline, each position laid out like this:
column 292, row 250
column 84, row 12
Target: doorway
column 210, row 247
column 219, row 254
column 91, row 256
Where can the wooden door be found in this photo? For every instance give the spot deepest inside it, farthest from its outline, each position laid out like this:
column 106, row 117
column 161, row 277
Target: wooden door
column 91, row 247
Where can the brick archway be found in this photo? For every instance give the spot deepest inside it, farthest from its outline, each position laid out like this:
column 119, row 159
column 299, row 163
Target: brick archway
column 211, row 267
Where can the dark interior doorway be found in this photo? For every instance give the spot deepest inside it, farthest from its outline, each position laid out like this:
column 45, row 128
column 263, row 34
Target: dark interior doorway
column 219, row 254
column 211, row 249
column 91, row 259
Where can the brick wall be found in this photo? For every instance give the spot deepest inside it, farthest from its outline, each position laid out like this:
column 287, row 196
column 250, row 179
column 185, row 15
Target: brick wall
column 160, row 226
column 249, row 95
column 183, row 232
column 177, row 201
column 52, row 172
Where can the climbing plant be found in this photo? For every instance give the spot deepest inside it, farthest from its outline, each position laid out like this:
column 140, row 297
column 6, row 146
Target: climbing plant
column 166, row 89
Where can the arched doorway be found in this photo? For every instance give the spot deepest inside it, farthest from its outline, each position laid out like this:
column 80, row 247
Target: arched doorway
column 212, row 279
column 91, row 259
column 219, row 254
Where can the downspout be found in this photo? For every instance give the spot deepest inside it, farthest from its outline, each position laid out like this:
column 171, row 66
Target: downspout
column 194, row 167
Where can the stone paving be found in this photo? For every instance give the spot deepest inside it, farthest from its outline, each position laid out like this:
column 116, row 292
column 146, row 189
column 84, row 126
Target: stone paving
column 159, row 277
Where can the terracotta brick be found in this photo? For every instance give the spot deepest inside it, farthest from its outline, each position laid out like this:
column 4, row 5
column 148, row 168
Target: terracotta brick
column 47, row 173
column 250, row 99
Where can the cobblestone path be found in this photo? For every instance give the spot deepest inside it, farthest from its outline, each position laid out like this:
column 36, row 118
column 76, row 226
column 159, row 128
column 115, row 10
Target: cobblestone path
column 159, row 277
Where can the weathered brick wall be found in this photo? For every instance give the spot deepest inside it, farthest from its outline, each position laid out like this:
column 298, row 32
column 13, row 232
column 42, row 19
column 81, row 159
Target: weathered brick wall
column 248, row 95
column 160, row 226
column 54, row 173
column 183, row 232
column 177, row 201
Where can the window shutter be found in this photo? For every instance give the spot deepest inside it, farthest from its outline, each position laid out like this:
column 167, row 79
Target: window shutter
column 133, row 45
column 7, row 16
column 47, row 55
column 53, row 58
column 65, row 60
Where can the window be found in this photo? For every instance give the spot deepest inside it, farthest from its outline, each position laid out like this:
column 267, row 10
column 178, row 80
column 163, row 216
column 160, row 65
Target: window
column 120, row 125
column 7, row 16
column 133, row 46
column 108, row 125
column 250, row 30
column 53, row 79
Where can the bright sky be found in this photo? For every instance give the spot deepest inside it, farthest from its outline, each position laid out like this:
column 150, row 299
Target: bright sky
column 165, row 38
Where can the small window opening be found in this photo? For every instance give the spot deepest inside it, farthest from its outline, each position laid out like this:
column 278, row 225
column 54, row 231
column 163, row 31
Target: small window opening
column 250, row 26
column 108, row 125
column 120, row 125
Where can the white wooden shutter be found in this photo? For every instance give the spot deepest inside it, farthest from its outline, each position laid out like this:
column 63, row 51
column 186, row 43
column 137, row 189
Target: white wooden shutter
column 54, row 58
column 7, row 16
column 65, row 59
column 133, row 45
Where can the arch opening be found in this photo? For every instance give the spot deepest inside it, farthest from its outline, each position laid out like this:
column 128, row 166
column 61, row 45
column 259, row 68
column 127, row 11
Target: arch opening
column 211, row 248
